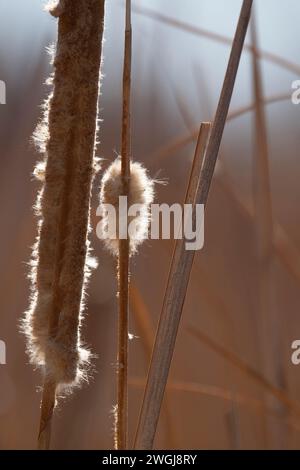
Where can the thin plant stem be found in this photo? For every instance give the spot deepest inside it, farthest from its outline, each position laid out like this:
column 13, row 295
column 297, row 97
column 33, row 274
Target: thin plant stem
column 143, row 320
column 158, row 378
column 123, row 262
column 47, row 408
column 182, row 259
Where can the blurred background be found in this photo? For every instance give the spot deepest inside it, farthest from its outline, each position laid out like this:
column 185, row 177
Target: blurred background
column 232, row 383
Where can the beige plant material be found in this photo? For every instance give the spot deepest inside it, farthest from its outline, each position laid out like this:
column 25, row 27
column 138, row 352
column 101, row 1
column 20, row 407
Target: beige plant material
column 140, row 191
column 66, row 137
column 56, row 7
column 182, row 260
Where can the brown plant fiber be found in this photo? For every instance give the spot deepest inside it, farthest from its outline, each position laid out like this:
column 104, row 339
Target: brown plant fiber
column 66, row 137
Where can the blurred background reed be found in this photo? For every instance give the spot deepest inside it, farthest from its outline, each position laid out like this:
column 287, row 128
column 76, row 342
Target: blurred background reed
column 223, row 385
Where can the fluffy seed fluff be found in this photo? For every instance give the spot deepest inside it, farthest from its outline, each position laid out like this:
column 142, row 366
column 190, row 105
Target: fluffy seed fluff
column 140, row 191
column 55, row 7
column 61, row 264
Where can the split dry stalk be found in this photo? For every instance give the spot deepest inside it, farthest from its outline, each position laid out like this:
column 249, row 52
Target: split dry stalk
column 176, row 288
column 61, row 266
column 182, row 260
column 123, row 262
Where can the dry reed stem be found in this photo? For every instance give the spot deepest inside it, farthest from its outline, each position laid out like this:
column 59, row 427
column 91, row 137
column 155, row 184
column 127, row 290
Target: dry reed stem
column 166, row 333
column 246, row 369
column 144, row 324
column 47, row 408
column 65, row 200
column 218, row 392
column 268, row 328
column 182, row 259
column 261, row 177
column 123, row 262
column 269, row 56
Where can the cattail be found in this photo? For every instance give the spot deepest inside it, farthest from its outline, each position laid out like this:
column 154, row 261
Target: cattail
column 66, row 137
column 56, row 7
column 140, row 192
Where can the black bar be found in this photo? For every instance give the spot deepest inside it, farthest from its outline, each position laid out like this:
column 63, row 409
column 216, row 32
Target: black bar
column 136, row 459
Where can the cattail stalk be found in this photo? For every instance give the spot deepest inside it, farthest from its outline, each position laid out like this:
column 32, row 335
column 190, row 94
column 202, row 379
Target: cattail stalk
column 61, row 265
column 123, row 262
column 182, row 260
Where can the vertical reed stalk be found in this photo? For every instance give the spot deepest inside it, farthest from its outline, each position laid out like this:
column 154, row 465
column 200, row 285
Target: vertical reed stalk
column 269, row 328
column 123, row 262
column 182, row 260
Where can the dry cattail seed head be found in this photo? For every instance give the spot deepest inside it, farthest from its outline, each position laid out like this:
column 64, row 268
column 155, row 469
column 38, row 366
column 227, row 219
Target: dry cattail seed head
column 140, row 191
column 66, row 137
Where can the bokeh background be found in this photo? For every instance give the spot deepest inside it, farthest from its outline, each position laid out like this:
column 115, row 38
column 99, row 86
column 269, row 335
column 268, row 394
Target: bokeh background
column 214, row 399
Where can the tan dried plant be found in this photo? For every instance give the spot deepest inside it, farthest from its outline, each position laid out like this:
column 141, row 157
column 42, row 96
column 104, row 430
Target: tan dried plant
column 60, row 261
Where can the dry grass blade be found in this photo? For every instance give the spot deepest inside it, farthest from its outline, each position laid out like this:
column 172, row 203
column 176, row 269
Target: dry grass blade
column 246, row 369
column 177, row 284
column 143, row 319
column 182, row 260
column 123, row 262
column 273, row 58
